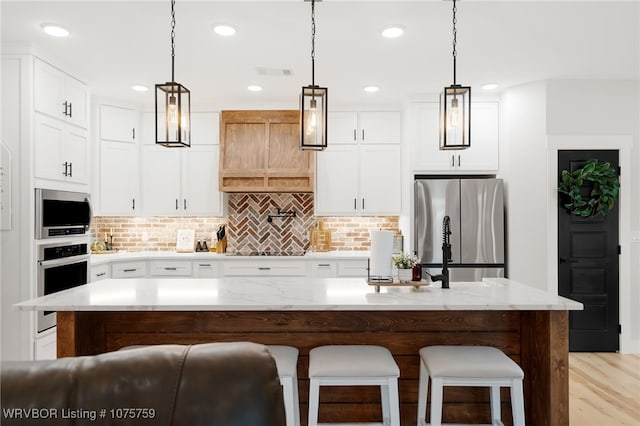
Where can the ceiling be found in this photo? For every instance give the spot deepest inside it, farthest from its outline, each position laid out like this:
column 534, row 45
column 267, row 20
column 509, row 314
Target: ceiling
column 115, row 44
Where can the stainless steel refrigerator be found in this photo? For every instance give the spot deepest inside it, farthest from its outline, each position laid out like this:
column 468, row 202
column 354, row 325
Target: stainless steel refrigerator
column 475, row 207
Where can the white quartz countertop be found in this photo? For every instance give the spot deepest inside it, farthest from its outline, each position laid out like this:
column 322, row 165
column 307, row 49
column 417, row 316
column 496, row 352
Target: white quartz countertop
column 294, row 294
column 97, row 259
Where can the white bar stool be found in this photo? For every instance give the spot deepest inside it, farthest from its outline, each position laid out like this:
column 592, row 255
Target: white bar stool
column 286, row 358
column 468, row 366
column 355, row 365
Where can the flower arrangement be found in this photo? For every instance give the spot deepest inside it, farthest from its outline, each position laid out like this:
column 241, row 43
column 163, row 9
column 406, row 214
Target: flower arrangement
column 404, row 260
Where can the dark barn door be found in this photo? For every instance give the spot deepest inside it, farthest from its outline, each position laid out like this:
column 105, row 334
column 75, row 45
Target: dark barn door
column 588, row 265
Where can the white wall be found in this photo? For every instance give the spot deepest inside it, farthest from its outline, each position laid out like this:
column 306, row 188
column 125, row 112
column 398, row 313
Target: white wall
column 535, row 113
column 523, row 166
column 14, row 282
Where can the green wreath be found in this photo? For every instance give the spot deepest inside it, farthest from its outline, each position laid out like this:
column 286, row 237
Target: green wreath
column 604, row 183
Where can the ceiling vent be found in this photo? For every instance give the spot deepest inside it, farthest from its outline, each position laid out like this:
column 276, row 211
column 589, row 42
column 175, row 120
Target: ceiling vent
column 275, row 72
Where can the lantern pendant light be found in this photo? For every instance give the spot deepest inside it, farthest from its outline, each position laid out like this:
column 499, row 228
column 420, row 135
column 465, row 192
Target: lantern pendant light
column 313, row 103
column 173, row 105
column 455, row 108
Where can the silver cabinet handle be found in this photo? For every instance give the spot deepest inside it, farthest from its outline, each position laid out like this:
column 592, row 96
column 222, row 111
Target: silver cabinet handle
column 134, row 133
column 70, row 109
column 323, row 265
column 458, row 160
column 130, row 270
column 204, row 265
column 363, row 204
column 264, row 269
column 453, row 160
column 354, row 134
column 101, row 274
column 70, row 169
column 363, row 134
column 176, row 204
column 133, row 203
column 355, row 203
column 64, row 104
column 170, row 269
column 185, row 203
column 66, row 166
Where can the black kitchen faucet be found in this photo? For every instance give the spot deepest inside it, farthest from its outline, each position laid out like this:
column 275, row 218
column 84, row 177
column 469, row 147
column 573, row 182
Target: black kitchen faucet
column 446, row 254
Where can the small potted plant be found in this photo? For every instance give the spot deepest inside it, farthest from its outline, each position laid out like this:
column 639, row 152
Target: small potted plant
column 405, row 263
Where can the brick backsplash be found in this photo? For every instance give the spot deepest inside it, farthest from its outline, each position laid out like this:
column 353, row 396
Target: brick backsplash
column 247, row 226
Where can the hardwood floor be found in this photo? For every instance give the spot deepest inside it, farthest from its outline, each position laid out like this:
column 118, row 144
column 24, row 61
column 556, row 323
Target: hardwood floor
column 604, row 389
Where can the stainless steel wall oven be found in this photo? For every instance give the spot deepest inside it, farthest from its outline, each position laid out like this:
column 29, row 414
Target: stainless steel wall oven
column 60, row 266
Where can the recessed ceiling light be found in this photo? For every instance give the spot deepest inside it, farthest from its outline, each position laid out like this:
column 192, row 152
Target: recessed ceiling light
column 55, row 30
column 393, row 31
column 371, row 89
column 224, row 30
column 140, row 88
column 489, row 86
column 254, row 88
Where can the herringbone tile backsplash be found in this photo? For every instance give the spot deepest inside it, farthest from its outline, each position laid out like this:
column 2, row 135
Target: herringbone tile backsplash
column 249, row 230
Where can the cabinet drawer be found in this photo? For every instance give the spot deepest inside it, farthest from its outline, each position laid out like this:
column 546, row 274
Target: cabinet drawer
column 324, row 269
column 205, row 269
column 265, row 268
column 168, row 268
column 128, row 270
column 353, row 268
column 100, row 272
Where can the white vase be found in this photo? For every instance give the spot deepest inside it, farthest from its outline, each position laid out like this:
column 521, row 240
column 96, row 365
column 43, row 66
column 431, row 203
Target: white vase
column 405, row 274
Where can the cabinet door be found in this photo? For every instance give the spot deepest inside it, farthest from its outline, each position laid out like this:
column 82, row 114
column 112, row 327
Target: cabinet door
column 48, row 148
column 129, row 269
column 77, row 96
column 100, row 272
column 380, row 180
column 483, row 153
column 161, row 180
column 48, row 89
column 424, row 123
column 342, row 128
column 118, row 124
column 200, row 194
column 337, row 181
column 380, row 127
column 205, row 128
column 205, row 269
column 76, row 153
column 119, row 178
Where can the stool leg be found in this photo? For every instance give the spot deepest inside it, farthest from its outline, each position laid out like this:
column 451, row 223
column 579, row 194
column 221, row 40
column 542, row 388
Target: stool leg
column 314, row 399
column 296, row 401
column 422, row 394
column 495, row 405
column 384, row 402
column 517, row 402
column 289, row 403
column 436, row 401
column 394, row 401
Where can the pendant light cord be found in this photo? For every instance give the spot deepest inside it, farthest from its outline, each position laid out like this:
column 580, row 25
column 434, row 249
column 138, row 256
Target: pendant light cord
column 313, row 42
column 173, row 37
column 455, row 41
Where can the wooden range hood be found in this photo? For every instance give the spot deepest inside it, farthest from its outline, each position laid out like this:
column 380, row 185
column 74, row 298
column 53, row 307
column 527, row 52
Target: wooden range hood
column 260, row 152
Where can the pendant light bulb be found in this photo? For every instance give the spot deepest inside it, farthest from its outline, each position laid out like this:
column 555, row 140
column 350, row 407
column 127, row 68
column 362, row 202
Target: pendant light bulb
column 313, row 117
column 173, row 111
column 453, row 122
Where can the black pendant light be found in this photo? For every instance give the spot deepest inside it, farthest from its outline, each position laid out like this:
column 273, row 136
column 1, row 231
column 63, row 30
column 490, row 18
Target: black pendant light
column 313, row 103
column 173, row 104
column 455, row 108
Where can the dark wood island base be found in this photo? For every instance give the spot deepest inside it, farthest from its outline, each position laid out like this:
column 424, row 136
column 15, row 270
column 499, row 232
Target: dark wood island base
column 537, row 340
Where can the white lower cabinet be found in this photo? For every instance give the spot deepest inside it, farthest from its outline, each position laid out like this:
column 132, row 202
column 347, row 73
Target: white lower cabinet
column 353, row 268
column 170, row 268
column 135, row 269
column 100, row 272
column 206, row 269
column 267, row 268
column 324, row 269
column 45, row 345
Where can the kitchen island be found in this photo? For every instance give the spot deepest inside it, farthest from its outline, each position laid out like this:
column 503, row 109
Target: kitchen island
column 529, row 325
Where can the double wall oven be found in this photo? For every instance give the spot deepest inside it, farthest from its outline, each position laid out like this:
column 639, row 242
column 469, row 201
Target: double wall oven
column 62, row 223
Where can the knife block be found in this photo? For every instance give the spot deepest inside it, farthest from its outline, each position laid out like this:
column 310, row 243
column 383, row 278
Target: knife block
column 221, row 245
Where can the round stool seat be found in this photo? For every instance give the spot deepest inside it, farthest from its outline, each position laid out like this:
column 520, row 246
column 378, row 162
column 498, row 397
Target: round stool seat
column 469, row 362
column 286, row 358
column 352, row 361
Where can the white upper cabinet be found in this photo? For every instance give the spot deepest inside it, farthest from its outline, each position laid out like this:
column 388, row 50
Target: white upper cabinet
column 60, row 151
column 182, row 181
column 369, row 127
column 360, row 171
column 424, row 133
column 119, row 164
column 59, row 95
